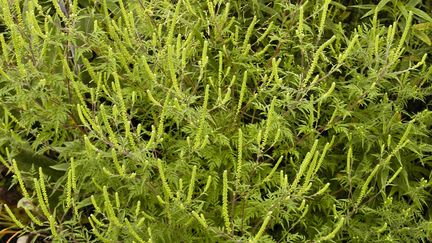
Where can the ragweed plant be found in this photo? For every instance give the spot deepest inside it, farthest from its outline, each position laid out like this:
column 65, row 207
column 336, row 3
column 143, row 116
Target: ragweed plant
column 216, row 121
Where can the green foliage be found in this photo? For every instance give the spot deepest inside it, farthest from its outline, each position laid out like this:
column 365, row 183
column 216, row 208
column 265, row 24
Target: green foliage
column 217, row 121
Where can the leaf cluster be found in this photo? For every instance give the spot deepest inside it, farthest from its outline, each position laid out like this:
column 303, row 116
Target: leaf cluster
column 216, row 121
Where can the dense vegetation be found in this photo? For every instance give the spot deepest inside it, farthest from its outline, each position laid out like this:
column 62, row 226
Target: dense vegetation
column 216, row 121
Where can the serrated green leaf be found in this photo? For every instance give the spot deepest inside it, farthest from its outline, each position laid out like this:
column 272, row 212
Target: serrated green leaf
column 423, row 36
column 381, row 4
column 423, row 26
column 60, row 167
column 421, row 14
